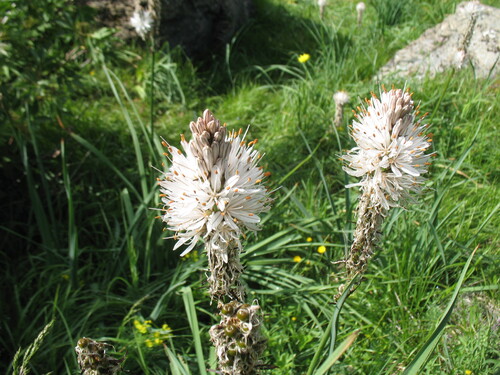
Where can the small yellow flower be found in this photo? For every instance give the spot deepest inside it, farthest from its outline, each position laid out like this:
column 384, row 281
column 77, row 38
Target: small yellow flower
column 322, row 249
column 158, row 341
column 149, row 343
column 297, row 258
column 192, row 255
column 303, row 58
column 165, row 327
column 92, row 73
column 65, row 276
column 309, row 239
column 294, row 318
column 468, row 372
column 142, row 328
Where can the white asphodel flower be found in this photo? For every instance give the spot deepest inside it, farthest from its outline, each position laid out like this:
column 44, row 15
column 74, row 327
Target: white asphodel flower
column 142, row 22
column 390, row 158
column 322, row 6
column 213, row 191
column 341, row 98
column 360, row 8
column 390, row 153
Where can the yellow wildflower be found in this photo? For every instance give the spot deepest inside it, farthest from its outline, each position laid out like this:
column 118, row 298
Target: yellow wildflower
column 309, row 239
column 149, row 343
column 294, row 318
column 192, row 255
column 468, row 372
column 165, row 327
column 142, row 328
column 304, row 58
column 158, row 341
column 322, row 249
column 297, row 258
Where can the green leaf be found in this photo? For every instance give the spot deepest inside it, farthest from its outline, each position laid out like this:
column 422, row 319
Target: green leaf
column 337, row 353
column 187, row 296
column 424, row 353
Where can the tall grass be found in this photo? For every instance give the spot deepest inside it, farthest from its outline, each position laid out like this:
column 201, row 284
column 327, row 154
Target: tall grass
column 80, row 245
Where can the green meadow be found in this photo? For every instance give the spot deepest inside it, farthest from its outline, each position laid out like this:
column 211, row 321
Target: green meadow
column 82, row 254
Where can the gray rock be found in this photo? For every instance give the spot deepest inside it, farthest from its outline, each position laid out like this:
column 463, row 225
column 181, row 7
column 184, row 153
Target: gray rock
column 469, row 36
column 202, row 25
column 199, row 26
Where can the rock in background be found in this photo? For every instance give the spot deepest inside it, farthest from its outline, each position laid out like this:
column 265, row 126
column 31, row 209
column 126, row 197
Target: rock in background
column 469, row 36
column 202, row 25
column 199, row 26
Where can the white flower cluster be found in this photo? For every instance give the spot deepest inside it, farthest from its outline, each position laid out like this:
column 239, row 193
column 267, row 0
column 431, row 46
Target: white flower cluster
column 214, row 190
column 390, row 154
column 360, row 8
column 341, row 97
column 142, row 22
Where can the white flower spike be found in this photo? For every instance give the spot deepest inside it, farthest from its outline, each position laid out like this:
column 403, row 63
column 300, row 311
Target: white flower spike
column 322, row 6
column 390, row 153
column 360, row 8
column 390, row 157
column 341, row 98
column 142, row 22
column 214, row 192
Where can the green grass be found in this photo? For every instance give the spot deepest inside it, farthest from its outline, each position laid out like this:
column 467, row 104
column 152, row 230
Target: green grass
column 80, row 245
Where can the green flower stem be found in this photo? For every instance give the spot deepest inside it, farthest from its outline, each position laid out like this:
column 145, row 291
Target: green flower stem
column 331, row 330
column 151, row 119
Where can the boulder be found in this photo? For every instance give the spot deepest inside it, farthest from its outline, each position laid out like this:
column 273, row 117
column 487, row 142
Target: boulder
column 202, row 25
column 469, row 36
column 199, row 26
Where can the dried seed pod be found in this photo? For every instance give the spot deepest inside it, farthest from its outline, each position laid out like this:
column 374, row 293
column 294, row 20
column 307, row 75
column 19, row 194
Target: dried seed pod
column 93, row 359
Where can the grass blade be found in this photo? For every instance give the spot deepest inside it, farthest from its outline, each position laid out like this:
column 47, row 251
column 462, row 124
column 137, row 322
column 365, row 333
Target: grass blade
column 72, row 230
column 177, row 366
column 424, row 353
column 187, row 296
column 331, row 330
column 337, row 353
column 106, row 161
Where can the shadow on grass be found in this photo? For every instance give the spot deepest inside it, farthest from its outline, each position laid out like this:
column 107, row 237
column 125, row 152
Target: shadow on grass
column 274, row 37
